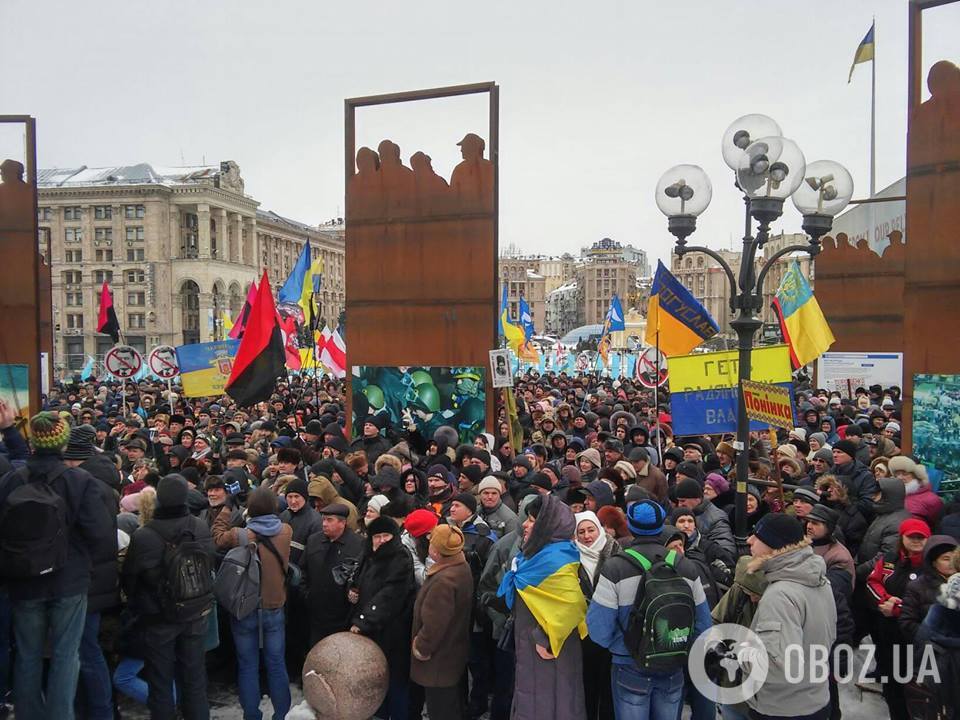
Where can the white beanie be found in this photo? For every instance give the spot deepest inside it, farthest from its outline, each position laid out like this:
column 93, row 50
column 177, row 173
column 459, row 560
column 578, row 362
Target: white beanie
column 490, row 483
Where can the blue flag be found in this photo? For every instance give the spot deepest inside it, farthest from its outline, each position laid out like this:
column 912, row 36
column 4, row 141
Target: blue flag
column 87, row 371
column 526, row 319
column 614, row 320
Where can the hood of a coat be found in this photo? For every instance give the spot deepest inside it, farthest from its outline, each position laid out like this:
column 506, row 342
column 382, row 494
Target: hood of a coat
column 796, row 563
column 893, row 495
column 936, row 545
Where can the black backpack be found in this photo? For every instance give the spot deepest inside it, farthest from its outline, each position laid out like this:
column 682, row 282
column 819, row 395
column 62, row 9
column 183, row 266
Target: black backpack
column 34, row 537
column 186, row 580
column 659, row 630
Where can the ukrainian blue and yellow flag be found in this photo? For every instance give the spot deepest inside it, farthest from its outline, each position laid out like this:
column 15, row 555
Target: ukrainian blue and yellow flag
column 550, row 589
column 205, row 367
column 299, row 288
column 676, row 322
column 515, row 335
column 864, row 51
column 804, row 327
column 613, row 322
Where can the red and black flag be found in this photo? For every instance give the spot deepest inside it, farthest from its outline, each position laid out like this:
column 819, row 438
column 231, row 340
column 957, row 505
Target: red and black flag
column 107, row 323
column 260, row 357
column 240, row 324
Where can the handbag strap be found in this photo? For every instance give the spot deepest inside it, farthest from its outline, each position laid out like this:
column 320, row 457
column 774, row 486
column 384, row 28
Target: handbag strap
column 268, row 543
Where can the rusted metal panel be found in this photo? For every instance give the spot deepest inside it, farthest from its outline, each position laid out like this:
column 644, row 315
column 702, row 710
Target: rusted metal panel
column 421, row 249
column 21, row 299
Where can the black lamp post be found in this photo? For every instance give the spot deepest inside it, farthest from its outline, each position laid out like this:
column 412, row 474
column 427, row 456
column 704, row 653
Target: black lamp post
column 769, row 168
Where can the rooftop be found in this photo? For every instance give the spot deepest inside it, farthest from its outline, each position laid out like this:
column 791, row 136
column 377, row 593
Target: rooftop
column 140, row 174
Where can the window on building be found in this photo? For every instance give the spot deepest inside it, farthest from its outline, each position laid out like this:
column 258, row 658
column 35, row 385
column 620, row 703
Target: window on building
column 102, row 212
column 73, row 235
column 134, row 233
column 134, row 212
column 188, row 245
column 103, row 235
column 701, row 285
column 73, row 347
column 191, row 221
column 72, row 277
column 136, row 298
column 138, row 343
column 135, row 276
column 103, row 276
column 699, row 262
column 44, row 214
column 74, row 299
column 73, row 256
column 104, row 255
column 74, row 321
column 72, row 213
column 135, row 254
column 136, row 321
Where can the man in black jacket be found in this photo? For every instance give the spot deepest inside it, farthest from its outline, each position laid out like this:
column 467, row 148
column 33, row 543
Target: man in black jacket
column 327, row 562
column 860, row 483
column 54, row 603
column 104, row 592
column 171, row 649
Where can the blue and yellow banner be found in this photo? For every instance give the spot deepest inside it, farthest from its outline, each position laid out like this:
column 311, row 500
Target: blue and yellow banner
column 864, row 53
column 205, row 367
column 704, row 387
column 676, row 321
column 801, row 319
column 549, row 585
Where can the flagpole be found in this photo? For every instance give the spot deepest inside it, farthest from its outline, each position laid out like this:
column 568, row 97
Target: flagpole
column 656, row 400
column 873, row 115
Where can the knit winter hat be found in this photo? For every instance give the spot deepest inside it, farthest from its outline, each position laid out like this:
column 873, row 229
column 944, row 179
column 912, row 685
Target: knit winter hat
column 420, row 522
column 627, row 469
column 447, row 540
column 690, row 470
column 473, row 473
column 645, row 518
column 776, row 530
column 950, row 593
column 297, row 487
column 172, row 491
column 824, row 454
column 718, row 482
column 468, row 500
column 377, row 502
column 592, row 455
column 490, row 483
column 846, row 446
column 688, row 488
column 49, row 432
column 80, row 445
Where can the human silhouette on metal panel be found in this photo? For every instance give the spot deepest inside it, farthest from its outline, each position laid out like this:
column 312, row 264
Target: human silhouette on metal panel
column 472, row 179
column 16, row 197
column 433, row 192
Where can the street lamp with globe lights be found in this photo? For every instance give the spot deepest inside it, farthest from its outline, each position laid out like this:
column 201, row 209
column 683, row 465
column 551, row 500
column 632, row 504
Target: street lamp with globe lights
column 769, row 168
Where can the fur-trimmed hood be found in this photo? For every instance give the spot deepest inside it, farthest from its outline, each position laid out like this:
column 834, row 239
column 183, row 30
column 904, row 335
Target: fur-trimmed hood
column 795, row 563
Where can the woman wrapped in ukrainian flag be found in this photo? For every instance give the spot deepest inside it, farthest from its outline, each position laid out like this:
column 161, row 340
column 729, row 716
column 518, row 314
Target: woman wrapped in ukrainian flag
column 543, row 591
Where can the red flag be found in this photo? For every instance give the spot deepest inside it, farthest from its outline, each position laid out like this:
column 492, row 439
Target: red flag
column 260, row 357
column 240, row 324
column 107, row 322
column 333, row 352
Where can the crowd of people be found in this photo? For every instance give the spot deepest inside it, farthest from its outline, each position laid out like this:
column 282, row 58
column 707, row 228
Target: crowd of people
column 560, row 565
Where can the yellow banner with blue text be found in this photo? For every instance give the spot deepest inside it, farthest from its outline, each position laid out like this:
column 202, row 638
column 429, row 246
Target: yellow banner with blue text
column 715, row 370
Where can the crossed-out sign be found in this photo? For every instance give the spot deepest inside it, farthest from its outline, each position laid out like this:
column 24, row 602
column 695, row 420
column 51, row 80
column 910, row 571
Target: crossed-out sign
column 123, row 361
column 652, row 368
column 163, row 362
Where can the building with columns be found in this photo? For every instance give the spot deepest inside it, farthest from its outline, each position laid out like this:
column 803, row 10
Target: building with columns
column 178, row 246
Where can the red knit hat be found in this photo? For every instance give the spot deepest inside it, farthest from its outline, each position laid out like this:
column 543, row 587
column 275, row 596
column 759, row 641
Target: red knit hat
column 420, row 522
column 914, row 526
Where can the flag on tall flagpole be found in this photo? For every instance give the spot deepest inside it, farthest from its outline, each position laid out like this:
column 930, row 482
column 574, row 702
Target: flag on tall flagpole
column 298, row 289
column 107, row 322
column 613, row 322
column 804, row 327
column 864, row 52
column 512, row 333
column 260, row 357
column 676, row 321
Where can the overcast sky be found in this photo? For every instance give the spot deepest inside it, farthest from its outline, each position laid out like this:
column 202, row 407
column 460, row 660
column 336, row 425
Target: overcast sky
column 597, row 99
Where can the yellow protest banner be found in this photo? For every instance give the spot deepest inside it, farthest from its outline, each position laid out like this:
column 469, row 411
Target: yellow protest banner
column 712, row 371
column 768, row 404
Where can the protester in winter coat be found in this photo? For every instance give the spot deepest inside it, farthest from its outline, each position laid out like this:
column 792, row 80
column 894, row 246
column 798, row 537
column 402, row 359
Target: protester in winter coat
column 940, row 632
column 636, row 691
column 738, row 605
column 265, row 627
column 887, row 584
column 417, row 527
column 328, row 563
column 383, row 594
column 883, row 534
column 921, row 594
column 855, row 475
column 796, row 609
column 549, row 669
column 499, row 517
column 712, row 522
column 323, row 492
column 595, row 548
column 921, row 500
column 172, row 650
column 705, row 554
column 55, row 601
column 441, row 625
column 598, row 495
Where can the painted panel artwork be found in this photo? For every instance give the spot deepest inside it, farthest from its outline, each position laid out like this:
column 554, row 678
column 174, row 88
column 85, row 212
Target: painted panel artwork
column 427, row 396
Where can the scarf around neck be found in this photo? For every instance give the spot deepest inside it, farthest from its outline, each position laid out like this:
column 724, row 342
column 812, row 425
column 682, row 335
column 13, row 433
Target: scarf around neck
column 590, row 554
